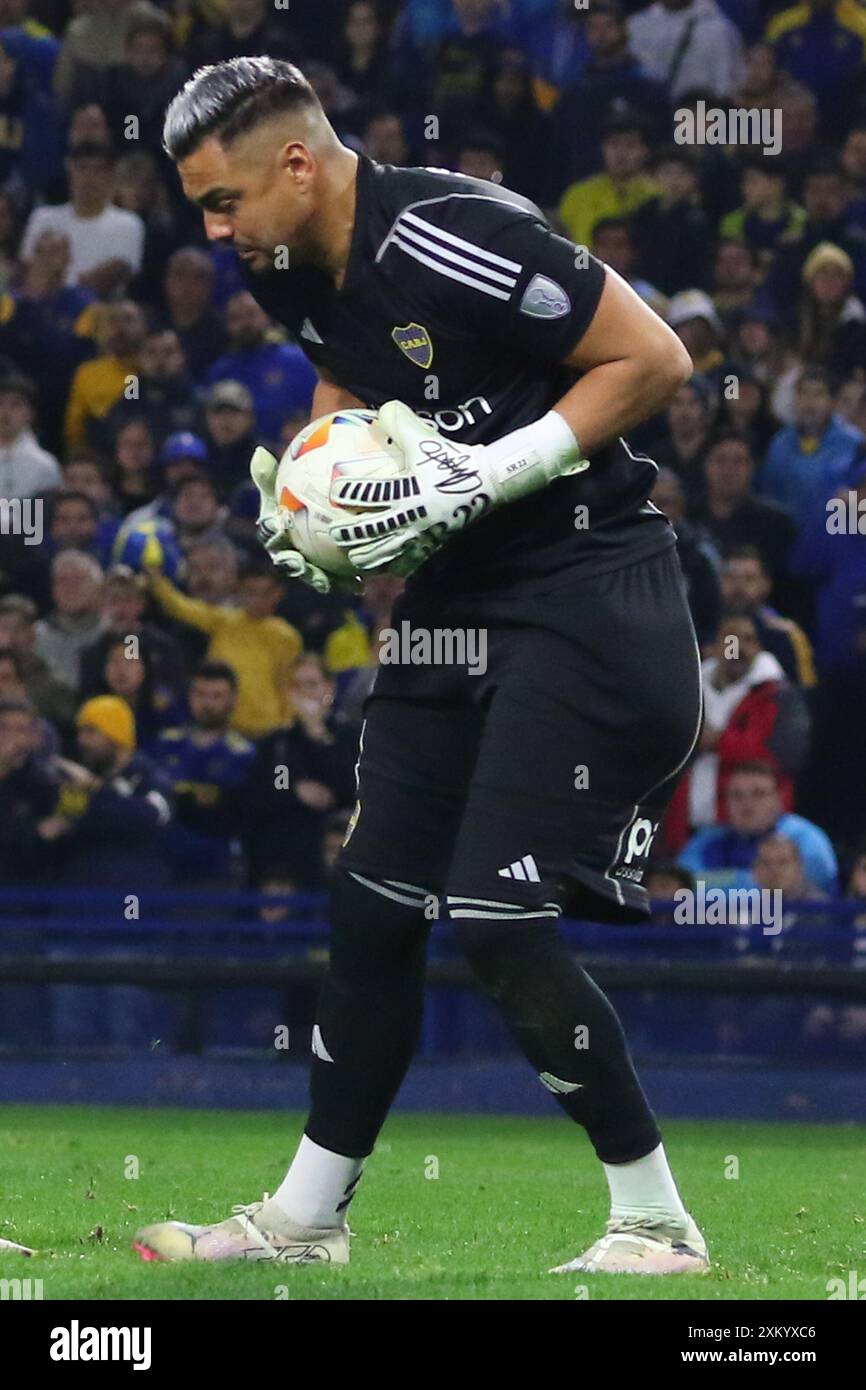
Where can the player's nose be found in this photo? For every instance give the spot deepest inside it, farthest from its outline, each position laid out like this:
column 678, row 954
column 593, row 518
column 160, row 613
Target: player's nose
column 217, row 228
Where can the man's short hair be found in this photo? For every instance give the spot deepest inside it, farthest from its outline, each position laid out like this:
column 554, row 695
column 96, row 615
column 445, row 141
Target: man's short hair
column 228, row 99
column 745, row 552
column 818, row 374
column 215, row 671
column 71, row 495
column 754, row 767
column 17, row 384
column 19, row 605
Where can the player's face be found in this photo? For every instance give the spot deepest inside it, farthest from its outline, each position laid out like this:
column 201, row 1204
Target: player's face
column 257, row 196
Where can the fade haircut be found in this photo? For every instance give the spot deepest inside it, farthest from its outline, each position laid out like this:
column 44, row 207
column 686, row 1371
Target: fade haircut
column 229, row 99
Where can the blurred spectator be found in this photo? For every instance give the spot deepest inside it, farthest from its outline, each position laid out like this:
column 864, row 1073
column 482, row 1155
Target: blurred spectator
column 128, row 673
column 767, row 217
column 98, row 384
column 751, row 713
column 693, row 317
column 196, row 513
column 209, row 767
column 105, row 242
column 523, row 131
column 278, row 375
column 810, row 459
column 619, row 190
column 778, row 867
column 736, row 275
column 164, row 397
column 682, row 448
column 181, row 457
column 230, row 430
column 76, row 525
column 261, row 647
column 763, row 85
column 247, row 28
column 759, row 347
column 746, row 586
column 135, row 478
column 50, row 697
column 362, row 64
column 833, row 557
column 135, row 91
column 730, row 512
column 31, row 127
column 744, row 410
column 665, row 878
column 687, row 44
column 820, row 43
column 832, row 320
column 26, row 469
column 123, row 602
column 112, row 807
column 212, row 571
column 303, row 772
column 28, row 795
column 93, row 41
column 613, row 78
column 698, row 556
column 671, row 230
column 612, row 243
column 480, row 155
column 385, row 139
column 754, row 809
column 825, row 195
column 48, row 327
column 14, row 689
column 76, row 582
column 188, row 287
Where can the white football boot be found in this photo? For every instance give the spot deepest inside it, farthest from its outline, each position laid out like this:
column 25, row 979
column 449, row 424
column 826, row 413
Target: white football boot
column 636, row 1245
column 8, row 1247
column 260, row 1231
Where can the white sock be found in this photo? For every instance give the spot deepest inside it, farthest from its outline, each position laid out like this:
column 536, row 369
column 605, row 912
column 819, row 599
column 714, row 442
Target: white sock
column 644, row 1188
column 318, row 1186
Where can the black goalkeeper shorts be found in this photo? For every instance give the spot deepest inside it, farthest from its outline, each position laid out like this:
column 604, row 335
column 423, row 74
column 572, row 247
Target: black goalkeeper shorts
column 541, row 780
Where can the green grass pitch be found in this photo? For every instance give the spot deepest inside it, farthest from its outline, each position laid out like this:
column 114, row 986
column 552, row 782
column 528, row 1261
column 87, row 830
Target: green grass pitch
column 451, row 1207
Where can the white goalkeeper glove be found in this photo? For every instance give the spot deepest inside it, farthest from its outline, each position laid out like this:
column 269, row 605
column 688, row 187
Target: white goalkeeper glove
column 448, row 486
column 272, row 528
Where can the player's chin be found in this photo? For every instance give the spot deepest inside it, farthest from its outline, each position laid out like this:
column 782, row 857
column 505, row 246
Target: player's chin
column 256, row 261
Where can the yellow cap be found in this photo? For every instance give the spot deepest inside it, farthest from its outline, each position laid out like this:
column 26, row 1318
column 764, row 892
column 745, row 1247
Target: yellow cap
column 111, row 716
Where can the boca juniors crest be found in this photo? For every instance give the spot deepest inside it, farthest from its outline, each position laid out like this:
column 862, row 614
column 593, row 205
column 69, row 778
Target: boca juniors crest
column 414, row 341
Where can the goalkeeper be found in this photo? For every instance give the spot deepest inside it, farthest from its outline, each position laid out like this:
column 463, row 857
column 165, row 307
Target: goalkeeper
column 507, row 364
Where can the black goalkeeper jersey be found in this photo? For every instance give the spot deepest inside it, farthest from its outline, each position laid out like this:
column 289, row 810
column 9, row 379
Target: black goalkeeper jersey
column 462, row 302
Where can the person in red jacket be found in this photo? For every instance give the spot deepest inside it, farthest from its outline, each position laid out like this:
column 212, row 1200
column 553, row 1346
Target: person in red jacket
column 751, row 712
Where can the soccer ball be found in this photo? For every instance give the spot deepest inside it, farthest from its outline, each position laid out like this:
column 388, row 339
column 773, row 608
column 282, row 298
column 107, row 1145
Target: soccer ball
column 148, row 543
column 322, row 451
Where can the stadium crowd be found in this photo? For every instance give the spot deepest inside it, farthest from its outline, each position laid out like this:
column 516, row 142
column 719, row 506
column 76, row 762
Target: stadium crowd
column 171, row 711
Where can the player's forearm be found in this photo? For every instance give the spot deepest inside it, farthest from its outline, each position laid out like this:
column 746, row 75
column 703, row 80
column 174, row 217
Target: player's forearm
column 615, row 396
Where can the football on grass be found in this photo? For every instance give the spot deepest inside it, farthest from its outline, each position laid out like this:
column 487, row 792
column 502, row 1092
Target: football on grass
column 345, row 442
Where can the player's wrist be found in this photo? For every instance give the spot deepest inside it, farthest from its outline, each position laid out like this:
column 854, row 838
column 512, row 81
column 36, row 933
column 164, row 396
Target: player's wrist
column 531, row 457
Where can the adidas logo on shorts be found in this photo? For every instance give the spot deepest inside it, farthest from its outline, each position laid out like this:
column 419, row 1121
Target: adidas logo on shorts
column 525, row 870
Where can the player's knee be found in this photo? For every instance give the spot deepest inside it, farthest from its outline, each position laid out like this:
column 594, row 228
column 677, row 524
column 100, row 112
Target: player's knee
column 497, row 948
column 375, row 924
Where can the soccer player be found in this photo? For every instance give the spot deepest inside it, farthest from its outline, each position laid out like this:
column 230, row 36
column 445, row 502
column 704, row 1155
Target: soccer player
column 507, row 363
